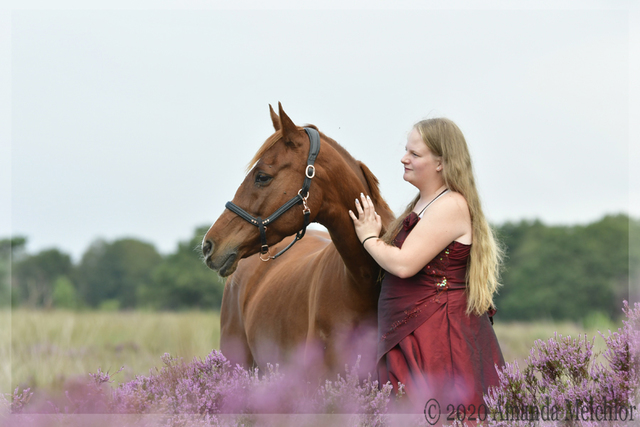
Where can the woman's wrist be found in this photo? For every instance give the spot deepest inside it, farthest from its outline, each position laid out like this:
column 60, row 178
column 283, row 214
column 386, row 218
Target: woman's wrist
column 367, row 238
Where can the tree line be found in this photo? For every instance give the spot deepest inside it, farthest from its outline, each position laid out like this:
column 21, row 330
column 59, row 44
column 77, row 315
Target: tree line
column 567, row 272
column 122, row 274
column 550, row 272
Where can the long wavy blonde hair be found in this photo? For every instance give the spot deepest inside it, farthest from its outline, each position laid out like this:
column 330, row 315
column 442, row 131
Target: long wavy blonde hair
column 445, row 140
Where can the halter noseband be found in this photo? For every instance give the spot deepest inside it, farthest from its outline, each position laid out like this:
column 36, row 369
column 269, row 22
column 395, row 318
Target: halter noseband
column 301, row 197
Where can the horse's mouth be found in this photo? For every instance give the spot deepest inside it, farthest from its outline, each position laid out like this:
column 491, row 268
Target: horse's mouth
column 224, row 264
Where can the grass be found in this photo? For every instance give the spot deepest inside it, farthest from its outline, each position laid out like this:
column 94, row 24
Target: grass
column 517, row 338
column 49, row 348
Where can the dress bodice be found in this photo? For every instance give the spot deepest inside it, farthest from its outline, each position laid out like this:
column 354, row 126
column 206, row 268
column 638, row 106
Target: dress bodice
column 405, row 303
column 447, row 269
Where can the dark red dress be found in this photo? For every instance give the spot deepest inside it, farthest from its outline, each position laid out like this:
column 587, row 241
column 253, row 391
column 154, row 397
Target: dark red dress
column 427, row 342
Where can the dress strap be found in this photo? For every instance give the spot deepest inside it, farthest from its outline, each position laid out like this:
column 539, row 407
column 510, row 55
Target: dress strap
column 429, row 204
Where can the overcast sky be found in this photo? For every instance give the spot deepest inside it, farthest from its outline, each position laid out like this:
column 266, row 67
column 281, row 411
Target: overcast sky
column 140, row 122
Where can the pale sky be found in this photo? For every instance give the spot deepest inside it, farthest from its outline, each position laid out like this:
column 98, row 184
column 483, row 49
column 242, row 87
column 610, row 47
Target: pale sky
column 127, row 121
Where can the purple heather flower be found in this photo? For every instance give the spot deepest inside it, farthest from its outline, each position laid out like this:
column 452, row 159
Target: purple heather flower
column 562, row 373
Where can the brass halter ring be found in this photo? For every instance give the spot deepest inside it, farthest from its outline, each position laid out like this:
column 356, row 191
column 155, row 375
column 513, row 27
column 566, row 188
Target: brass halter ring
column 268, row 253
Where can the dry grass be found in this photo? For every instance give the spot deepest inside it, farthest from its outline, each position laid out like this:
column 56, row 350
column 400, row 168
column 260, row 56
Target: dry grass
column 48, row 348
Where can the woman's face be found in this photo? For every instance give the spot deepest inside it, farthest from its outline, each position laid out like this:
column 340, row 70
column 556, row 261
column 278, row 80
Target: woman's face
column 420, row 164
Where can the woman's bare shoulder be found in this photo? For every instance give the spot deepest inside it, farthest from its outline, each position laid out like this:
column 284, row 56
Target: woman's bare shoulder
column 452, row 203
column 450, row 213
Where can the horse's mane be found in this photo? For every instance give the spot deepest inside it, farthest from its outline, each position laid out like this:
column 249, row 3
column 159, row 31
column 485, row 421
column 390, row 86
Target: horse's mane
column 362, row 171
column 376, row 197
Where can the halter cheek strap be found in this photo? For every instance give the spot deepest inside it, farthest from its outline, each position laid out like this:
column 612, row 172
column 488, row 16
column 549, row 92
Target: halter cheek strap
column 301, row 197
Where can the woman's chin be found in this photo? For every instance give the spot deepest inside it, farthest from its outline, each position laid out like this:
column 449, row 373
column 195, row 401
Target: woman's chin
column 410, row 180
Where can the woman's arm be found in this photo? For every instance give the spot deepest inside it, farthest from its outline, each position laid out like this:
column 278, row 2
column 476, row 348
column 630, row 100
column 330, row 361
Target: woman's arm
column 445, row 221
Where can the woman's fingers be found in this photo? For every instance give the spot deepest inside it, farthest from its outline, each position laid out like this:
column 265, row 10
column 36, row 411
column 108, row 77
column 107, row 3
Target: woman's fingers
column 359, row 209
column 369, row 209
column 373, row 208
column 365, row 210
column 365, row 218
column 364, row 203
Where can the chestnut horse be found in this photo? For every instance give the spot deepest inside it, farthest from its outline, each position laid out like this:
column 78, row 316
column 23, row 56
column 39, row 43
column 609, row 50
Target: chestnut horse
column 323, row 292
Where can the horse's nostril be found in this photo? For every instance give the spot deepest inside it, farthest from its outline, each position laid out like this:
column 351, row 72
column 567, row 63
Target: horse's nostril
column 207, row 247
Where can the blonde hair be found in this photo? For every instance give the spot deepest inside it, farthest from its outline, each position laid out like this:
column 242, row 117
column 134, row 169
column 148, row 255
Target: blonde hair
column 445, row 140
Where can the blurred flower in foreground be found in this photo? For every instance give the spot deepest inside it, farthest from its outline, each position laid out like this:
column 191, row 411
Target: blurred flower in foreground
column 563, row 376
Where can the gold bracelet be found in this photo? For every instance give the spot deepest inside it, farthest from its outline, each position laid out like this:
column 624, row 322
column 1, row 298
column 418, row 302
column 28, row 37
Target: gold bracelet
column 370, row 237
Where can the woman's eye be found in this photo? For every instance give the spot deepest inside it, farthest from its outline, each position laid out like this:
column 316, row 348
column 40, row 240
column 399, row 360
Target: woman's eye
column 262, row 178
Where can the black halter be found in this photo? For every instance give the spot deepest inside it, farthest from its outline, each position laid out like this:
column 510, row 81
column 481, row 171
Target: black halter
column 301, row 197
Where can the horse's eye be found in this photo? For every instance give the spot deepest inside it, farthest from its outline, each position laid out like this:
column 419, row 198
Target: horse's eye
column 262, row 178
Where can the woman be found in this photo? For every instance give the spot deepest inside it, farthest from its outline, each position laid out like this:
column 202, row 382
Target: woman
column 442, row 263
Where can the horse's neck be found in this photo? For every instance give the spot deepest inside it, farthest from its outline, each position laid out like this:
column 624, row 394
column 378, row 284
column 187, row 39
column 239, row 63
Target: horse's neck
column 361, row 267
column 338, row 199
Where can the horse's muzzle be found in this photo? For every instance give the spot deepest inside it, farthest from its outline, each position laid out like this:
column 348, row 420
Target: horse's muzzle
column 224, row 263
column 207, row 248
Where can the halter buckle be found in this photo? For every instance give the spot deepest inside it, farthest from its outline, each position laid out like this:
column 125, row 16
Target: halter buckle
column 312, row 173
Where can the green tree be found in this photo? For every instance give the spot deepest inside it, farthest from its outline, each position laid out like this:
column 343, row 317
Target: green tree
column 10, row 249
column 115, row 271
column 564, row 272
column 64, row 293
column 33, row 276
column 182, row 280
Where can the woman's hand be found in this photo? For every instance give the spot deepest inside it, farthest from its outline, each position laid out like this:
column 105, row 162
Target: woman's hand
column 368, row 222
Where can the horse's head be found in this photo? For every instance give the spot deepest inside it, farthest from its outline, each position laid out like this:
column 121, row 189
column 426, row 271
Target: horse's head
column 276, row 177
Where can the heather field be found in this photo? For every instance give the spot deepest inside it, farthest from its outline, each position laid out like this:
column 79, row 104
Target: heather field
column 49, row 348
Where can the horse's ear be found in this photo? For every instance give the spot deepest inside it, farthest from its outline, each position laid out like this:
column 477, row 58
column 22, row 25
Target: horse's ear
column 274, row 118
column 289, row 129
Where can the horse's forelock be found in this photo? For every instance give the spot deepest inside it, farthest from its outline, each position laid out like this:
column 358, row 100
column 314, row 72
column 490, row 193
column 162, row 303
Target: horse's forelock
column 270, row 142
